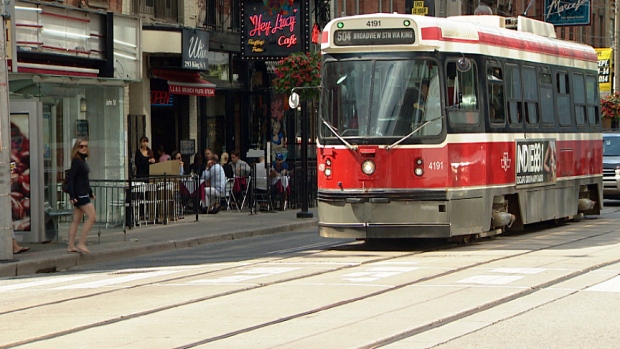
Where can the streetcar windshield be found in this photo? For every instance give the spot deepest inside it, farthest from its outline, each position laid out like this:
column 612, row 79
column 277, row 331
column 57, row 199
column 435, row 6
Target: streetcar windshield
column 381, row 98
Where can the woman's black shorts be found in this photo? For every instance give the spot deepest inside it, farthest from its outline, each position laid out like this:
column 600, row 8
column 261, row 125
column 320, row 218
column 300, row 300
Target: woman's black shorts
column 81, row 201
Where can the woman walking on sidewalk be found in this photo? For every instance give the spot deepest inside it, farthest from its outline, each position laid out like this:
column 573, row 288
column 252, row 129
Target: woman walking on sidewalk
column 80, row 194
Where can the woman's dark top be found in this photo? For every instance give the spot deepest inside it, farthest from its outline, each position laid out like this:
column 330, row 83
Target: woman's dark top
column 142, row 165
column 197, row 168
column 79, row 184
column 228, row 170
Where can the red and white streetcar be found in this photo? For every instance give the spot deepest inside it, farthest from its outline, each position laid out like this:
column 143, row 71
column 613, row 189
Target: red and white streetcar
column 454, row 127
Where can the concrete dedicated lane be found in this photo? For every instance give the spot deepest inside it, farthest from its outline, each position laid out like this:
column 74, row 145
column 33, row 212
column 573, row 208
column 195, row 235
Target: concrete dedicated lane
column 337, row 299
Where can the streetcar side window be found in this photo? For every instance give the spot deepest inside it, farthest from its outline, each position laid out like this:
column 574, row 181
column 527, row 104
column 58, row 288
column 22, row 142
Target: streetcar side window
column 530, row 95
column 563, row 99
column 462, row 95
column 592, row 100
column 547, row 105
column 579, row 98
column 495, row 84
column 513, row 93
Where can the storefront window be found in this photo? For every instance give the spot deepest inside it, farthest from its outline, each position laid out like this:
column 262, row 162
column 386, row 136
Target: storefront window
column 67, row 112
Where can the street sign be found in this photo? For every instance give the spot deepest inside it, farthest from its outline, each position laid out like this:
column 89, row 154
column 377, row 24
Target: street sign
column 419, row 8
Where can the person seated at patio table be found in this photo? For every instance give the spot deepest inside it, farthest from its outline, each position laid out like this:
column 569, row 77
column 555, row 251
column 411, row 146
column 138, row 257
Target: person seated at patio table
column 214, row 175
column 241, row 170
column 177, row 156
column 279, row 179
column 224, row 161
column 197, row 166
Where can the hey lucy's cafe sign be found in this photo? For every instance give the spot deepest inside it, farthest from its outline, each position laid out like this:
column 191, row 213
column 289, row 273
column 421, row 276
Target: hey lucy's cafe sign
column 274, row 32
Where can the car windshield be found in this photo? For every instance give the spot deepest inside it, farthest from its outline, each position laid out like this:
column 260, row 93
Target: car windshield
column 611, row 146
column 381, row 98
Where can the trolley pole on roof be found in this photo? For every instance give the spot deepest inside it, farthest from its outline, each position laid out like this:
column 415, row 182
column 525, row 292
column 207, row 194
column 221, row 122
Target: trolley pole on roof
column 6, row 222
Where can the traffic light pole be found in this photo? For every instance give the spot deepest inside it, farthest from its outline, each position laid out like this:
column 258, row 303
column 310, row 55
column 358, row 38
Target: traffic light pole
column 294, row 103
column 6, row 222
column 304, row 213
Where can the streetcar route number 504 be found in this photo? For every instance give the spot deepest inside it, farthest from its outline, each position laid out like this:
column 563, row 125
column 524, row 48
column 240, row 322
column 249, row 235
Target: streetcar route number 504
column 374, row 23
column 343, row 36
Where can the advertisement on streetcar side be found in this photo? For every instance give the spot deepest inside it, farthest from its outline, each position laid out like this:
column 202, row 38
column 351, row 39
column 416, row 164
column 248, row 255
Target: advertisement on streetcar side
column 536, row 162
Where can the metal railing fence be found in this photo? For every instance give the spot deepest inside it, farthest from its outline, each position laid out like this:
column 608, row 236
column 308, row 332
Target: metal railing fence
column 163, row 199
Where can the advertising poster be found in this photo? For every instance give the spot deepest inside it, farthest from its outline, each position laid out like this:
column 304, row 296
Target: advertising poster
column 20, row 175
column 536, row 162
column 605, row 67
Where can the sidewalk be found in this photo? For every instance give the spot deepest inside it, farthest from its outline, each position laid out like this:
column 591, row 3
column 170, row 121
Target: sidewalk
column 111, row 244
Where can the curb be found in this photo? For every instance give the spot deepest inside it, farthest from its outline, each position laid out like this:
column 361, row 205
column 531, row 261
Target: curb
column 66, row 261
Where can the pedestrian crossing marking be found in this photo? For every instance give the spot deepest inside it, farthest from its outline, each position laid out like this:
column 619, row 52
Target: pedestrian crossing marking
column 490, row 279
column 47, row 281
column 246, row 275
column 376, row 273
column 115, row 281
column 611, row 285
column 529, row 271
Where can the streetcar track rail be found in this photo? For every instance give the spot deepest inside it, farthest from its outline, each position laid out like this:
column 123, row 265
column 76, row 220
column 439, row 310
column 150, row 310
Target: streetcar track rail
column 298, row 315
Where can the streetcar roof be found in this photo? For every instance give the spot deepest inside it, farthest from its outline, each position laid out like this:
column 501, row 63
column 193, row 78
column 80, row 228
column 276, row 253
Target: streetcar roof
column 488, row 35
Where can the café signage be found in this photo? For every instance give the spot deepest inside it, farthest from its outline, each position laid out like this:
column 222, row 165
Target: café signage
column 567, row 12
column 273, row 33
column 195, row 49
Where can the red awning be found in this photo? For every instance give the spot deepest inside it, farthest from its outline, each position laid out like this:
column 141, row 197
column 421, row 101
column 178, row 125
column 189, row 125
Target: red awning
column 184, row 82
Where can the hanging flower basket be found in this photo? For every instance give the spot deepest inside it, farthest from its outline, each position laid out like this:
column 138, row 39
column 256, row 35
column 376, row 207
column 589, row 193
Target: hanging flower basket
column 299, row 70
column 610, row 106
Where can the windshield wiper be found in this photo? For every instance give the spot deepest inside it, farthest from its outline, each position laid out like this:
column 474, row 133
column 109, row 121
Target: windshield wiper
column 388, row 147
column 331, row 128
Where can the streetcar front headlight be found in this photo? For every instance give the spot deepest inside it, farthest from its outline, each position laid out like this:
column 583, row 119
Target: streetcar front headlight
column 368, row 167
column 419, row 167
column 328, row 171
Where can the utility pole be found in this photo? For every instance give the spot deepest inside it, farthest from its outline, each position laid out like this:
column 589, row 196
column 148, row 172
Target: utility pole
column 616, row 60
column 6, row 222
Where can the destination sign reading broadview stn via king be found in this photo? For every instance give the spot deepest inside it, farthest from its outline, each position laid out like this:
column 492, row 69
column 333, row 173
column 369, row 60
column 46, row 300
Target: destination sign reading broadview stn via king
column 394, row 36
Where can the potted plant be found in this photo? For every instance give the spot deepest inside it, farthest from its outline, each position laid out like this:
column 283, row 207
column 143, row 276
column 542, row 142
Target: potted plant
column 299, row 70
column 610, row 110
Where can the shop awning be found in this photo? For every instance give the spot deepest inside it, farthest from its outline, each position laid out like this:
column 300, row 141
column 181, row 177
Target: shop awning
column 185, row 82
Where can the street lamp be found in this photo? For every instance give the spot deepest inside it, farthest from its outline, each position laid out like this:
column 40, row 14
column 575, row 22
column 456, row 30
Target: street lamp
column 293, row 102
